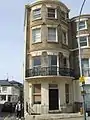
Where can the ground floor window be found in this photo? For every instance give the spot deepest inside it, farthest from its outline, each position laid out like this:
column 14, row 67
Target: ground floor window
column 3, row 97
column 37, row 93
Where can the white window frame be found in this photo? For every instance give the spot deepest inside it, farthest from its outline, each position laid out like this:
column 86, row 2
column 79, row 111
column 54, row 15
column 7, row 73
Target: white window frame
column 55, row 13
column 78, row 39
column 82, row 28
column 56, row 35
column 37, row 27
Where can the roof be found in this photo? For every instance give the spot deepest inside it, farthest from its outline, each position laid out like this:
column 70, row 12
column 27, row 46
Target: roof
column 82, row 16
column 5, row 83
column 15, row 82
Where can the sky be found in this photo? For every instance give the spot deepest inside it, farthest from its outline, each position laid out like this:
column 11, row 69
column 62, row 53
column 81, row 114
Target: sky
column 12, row 34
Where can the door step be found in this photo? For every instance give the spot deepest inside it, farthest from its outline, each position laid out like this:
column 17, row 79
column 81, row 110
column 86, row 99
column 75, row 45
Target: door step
column 54, row 111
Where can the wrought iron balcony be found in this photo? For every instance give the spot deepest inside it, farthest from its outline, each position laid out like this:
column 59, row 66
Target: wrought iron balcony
column 46, row 71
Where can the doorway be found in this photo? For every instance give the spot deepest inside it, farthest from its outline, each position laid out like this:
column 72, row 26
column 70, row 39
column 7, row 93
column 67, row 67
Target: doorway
column 53, row 99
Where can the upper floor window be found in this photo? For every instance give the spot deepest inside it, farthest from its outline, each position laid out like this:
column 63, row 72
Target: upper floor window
column 85, row 66
column 4, row 89
column 83, row 41
column 37, row 13
column 52, row 60
column 52, row 34
column 64, row 37
column 81, row 25
column 36, row 35
column 36, row 61
column 52, row 13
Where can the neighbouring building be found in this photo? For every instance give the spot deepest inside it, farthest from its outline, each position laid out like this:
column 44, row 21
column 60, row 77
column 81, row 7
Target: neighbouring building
column 48, row 84
column 8, row 92
column 81, row 31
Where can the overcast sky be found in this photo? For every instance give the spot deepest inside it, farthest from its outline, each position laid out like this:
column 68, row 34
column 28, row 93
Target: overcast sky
column 12, row 35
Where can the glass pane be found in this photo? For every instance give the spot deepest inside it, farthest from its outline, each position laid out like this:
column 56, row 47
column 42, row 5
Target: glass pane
column 37, row 99
column 54, row 60
column 37, row 88
column 52, row 34
column 36, row 13
column 51, row 12
column 36, row 61
column 82, row 24
column 83, row 41
column 36, row 35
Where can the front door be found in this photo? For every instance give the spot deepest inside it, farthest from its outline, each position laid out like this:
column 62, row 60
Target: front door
column 53, row 99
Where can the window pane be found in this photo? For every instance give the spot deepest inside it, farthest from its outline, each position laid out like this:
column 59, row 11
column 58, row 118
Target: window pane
column 51, row 12
column 52, row 34
column 3, row 97
column 36, row 13
column 53, row 60
column 37, row 99
column 36, row 61
column 36, row 35
column 82, row 24
column 67, row 92
column 85, row 66
column 4, row 89
column 83, row 41
column 37, row 88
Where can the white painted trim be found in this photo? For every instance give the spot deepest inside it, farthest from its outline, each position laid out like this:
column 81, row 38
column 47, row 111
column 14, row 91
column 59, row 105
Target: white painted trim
column 39, row 26
column 49, row 52
column 56, row 13
column 82, row 19
column 52, row 26
column 82, row 35
column 81, row 48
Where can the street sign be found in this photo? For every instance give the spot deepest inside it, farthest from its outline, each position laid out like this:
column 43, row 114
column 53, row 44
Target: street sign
column 82, row 79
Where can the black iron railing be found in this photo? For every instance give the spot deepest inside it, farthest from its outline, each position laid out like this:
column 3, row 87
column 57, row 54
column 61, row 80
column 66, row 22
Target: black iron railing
column 45, row 71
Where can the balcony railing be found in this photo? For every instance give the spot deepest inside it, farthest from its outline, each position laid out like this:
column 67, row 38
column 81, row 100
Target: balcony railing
column 45, row 71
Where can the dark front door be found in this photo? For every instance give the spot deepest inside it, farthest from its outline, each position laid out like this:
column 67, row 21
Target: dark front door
column 53, row 99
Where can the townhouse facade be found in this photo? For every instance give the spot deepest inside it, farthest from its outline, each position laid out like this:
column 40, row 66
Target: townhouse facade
column 81, row 32
column 52, row 74
column 8, row 92
column 48, row 85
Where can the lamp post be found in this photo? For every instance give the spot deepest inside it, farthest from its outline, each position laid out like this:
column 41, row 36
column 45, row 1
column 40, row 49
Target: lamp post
column 80, row 65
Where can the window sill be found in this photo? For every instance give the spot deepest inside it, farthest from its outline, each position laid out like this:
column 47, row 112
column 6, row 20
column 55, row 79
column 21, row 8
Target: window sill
column 81, row 29
column 52, row 41
column 36, row 42
column 36, row 19
column 50, row 18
